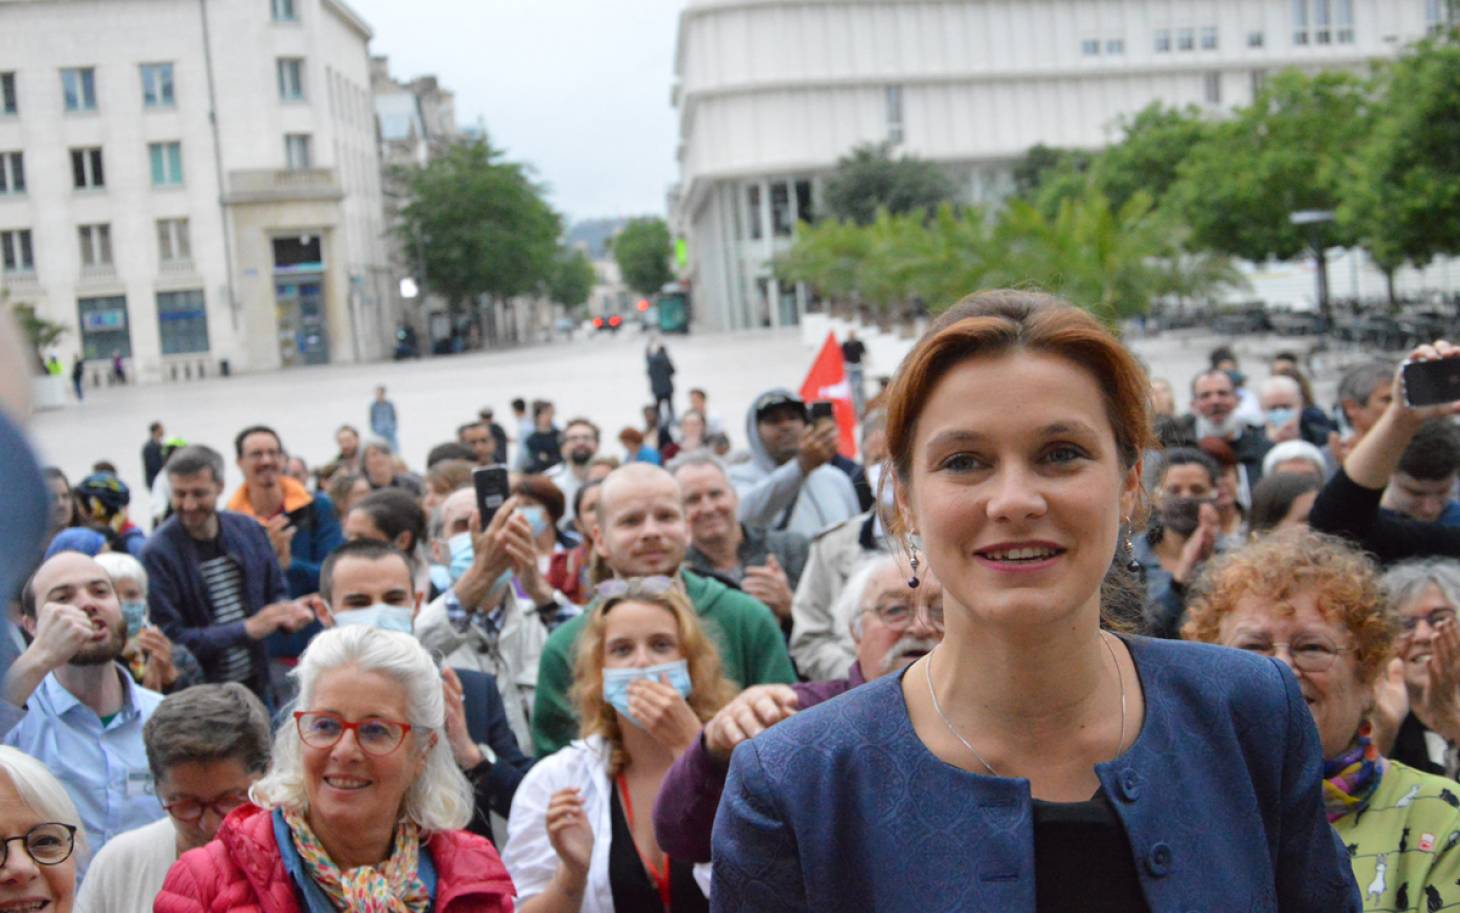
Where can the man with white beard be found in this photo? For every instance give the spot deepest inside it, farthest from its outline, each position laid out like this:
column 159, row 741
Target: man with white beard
column 1214, row 407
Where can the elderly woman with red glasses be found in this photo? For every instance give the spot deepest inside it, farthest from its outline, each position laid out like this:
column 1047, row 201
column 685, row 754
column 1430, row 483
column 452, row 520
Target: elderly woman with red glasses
column 581, row 835
column 364, row 806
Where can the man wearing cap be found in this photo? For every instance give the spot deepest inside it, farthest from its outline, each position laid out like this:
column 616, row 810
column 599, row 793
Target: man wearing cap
column 789, row 483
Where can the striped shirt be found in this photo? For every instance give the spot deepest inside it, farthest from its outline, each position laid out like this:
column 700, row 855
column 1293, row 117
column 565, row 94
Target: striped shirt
column 224, row 580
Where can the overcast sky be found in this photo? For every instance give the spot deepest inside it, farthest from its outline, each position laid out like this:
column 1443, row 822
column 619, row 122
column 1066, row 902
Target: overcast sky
column 577, row 88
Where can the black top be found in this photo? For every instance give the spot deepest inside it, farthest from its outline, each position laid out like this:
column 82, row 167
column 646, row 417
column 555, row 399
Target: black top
column 633, row 890
column 852, row 351
column 1345, row 508
column 1082, row 859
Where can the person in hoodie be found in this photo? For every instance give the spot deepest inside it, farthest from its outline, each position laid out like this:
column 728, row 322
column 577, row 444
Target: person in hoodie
column 789, row 483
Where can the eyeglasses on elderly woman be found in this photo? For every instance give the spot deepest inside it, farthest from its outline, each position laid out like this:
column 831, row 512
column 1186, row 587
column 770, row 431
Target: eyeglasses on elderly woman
column 375, row 736
column 50, row 843
column 1309, row 654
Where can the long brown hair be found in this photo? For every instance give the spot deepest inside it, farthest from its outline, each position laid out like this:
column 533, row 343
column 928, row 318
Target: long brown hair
column 710, row 689
column 997, row 322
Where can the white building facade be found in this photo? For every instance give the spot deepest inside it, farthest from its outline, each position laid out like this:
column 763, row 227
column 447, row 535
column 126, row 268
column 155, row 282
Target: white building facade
column 200, row 181
column 771, row 93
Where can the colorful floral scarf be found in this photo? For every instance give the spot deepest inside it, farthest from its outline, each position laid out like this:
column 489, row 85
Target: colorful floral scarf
column 1350, row 779
column 392, row 887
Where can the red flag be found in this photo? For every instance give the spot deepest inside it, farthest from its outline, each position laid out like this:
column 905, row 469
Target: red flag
column 827, row 380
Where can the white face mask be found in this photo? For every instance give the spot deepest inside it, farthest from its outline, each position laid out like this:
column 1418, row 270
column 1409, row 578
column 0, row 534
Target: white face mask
column 380, row 615
column 884, row 492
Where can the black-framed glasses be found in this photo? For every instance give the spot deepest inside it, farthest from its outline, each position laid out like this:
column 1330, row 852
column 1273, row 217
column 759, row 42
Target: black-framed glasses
column 627, row 588
column 1313, row 655
column 375, row 736
column 51, row 843
column 1434, row 618
column 191, row 810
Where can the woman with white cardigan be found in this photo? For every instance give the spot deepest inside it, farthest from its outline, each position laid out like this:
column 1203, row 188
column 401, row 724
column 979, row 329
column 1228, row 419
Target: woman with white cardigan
column 581, row 835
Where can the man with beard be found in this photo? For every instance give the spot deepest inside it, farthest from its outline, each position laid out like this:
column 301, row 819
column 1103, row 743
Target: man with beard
column 1214, row 405
column 215, row 584
column 890, row 626
column 580, row 446
column 641, row 533
column 84, row 714
column 479, row 438
column 767, row 564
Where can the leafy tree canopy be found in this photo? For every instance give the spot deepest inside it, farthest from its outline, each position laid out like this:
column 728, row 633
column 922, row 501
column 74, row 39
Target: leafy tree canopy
column 869, row 180
column 642, row 251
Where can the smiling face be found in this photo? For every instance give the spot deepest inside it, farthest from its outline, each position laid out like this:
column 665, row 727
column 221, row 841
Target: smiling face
column 261, row 460
column 709, row 502
column 351, row 792
column 195, row 502
column 1336, row 697
column 1018, row 499
column 1416, row 646
column 643, row 533
column 24, row 884
column 73, row 579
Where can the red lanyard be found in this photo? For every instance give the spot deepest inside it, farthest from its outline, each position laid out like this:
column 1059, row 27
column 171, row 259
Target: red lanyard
column 660, row 876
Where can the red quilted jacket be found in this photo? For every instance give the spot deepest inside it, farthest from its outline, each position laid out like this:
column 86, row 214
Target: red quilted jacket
column 242, row 872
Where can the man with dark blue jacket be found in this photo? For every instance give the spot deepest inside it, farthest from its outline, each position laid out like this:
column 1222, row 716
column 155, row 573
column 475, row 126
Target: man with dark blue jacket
column 215, row 584
column 368, row 582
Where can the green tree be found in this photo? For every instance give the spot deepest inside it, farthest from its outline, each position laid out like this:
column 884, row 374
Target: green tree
column 1403, row 201
column 40, row 333
column 1148, row 156
column 869, row 179
column 572, row 278
column 642, row 250
column 825, row 256
column 1289, row 151
column 475, row 224
column 1042, row 164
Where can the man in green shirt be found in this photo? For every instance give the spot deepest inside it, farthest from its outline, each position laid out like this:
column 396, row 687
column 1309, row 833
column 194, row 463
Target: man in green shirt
column 642, row 533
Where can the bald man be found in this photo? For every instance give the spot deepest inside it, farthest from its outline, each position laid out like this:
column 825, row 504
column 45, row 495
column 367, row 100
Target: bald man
column 83, row 713
column 642, row 532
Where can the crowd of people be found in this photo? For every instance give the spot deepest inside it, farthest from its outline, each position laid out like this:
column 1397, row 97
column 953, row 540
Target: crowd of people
column 1041, row 625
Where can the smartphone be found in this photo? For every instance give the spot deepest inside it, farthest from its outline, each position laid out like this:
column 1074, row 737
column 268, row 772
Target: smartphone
column 491, row 485
column 1430, row 383
column 135, row 614
column 822, row 409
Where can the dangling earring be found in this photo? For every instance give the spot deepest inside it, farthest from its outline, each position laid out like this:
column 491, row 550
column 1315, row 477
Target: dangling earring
column 1131, row 564
column 913, row 581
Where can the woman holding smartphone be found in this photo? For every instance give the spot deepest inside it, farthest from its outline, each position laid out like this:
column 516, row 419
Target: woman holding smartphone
column 1035, row 747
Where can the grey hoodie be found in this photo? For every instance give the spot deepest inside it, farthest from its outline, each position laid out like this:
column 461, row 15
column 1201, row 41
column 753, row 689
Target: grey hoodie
column 766, row 490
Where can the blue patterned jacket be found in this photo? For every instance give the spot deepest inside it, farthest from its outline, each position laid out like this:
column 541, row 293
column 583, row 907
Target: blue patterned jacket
column 841, row 807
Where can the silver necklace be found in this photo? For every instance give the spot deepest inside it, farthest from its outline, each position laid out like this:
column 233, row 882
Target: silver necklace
column 932, row 693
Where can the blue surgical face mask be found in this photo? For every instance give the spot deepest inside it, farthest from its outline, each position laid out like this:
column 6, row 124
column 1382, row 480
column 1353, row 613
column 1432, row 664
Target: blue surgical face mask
column 536, row 518
column 462, row 555
column 441, row 577
column 616, row 683
column 380, row 615
column 135, row 614
column 1280, row 417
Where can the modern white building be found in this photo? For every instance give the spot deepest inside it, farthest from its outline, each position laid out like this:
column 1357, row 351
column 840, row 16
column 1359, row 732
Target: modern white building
column 188, row 183
column 770, row 93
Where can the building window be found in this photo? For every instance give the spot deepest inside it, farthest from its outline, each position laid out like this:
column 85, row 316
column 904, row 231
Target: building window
column 12, row 172
column 1344, row 20
column 78, row 85
column 1115, row 46
column 7, row 93
column 166, row 164
column 1259, row 79
column 173, row 244
column 104, row 328
column 894, row 114
column 1090, row 47
column 291, row 79
column 752, row 199
column 86, row 170
column 1437, row 16
column 15, row 251
column 1163, row 41
column 781, row 210
column 296, row 151
column 96, row 245
column 283, row 10
column 1327, row 21
column 805, row 209
column 182, row 322
column 157, row 85
column 1209, row 38
column 1213, row 88
column 1185, row 40
column 1254, row 39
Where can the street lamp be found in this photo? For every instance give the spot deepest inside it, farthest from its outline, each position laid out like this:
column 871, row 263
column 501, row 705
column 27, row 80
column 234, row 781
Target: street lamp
column 1314, row 220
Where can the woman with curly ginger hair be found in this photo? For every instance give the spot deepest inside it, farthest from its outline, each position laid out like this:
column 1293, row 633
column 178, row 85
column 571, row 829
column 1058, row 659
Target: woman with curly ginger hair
column 646, row 679
column 1316, row 604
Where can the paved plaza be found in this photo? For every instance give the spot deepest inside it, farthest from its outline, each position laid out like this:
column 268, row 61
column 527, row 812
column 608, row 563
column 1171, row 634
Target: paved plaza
column 601, row 376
